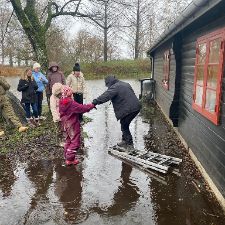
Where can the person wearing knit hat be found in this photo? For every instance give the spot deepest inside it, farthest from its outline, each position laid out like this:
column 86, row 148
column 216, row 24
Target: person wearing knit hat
column 41, row 81
column 67, row 92
column 76, row 67
column 69, row 114
column 36, row 66
column 77, row 82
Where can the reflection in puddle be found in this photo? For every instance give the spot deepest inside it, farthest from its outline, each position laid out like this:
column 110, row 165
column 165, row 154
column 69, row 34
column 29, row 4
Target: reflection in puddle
column 101, row 189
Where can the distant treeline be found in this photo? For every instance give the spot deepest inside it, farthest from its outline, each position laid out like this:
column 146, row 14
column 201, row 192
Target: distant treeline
column 120, row 68
column 97, row 70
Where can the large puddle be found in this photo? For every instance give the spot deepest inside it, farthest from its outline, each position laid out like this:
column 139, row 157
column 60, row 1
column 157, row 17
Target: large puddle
column 100, row 190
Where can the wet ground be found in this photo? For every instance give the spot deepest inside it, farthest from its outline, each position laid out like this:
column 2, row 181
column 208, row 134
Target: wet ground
column 103, row 190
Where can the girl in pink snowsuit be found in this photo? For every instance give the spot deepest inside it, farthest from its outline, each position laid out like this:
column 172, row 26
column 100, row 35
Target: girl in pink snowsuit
column 69, row 114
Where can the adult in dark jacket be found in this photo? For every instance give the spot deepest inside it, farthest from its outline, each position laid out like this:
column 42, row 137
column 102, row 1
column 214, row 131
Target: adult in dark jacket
column 28, row 87
column 125, row 103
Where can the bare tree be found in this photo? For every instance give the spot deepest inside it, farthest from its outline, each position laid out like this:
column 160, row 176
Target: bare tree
column 85, row 47
column 166, row 12
column 5, row 16
column 36, row 23
column 108, row 19
column 136, row 25
column 56, row 43
column 146, row 20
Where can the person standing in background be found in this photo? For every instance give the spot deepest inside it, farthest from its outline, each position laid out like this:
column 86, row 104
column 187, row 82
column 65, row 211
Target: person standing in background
column 28, row 87
column 77, row 82
column 41, row 81
column 6, row 109
column 54, row 75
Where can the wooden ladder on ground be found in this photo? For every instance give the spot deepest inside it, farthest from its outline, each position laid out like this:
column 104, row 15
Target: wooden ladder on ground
column 146, row 160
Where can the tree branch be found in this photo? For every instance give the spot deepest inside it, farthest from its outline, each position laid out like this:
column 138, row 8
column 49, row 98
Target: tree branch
column 22, row 17
column 67, row 3
column 60, row 12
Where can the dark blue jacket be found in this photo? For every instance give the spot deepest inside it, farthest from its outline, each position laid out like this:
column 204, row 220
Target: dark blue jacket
column 122, row 96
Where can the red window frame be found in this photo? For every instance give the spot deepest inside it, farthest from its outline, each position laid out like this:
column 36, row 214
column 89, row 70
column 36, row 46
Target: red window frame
column 201, row 108
column 166, row 69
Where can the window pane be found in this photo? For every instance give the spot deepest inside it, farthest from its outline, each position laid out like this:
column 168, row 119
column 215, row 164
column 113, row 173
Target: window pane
column 202, row 53
column 198, row 94
column 210, row 100
column 200, row 75
column 212, row 76
column 214, row 51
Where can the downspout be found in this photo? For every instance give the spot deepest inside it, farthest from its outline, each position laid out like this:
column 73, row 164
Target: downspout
column 152, row 66
column 151, row 57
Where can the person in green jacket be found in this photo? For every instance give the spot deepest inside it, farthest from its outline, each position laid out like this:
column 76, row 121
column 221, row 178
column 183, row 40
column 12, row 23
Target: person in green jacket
column 6, row 109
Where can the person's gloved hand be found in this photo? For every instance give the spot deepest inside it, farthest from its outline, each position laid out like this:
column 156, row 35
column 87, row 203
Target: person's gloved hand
column 95, row 102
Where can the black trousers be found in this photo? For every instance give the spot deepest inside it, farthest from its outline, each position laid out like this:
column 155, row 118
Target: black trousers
column 78, row 97
column 39, row 102
column 125, row 123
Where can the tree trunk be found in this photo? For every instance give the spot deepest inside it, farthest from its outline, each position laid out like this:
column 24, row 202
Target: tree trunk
column 39, row 46
column 18, row 58
column 34, row 30
column 105, row 46
column 3, row 53
column 3, row 48
column 10, row 59
column 105, row 35
column 26, row 62
column 136, row 48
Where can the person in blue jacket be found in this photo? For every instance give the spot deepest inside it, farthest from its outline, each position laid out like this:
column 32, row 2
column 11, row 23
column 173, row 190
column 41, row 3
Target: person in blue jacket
column 41, row 81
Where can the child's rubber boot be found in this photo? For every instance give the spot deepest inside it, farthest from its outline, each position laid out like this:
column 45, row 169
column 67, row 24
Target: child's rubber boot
column 23, row 129
column 2, row 133
column 75, row 162
column 69, row 163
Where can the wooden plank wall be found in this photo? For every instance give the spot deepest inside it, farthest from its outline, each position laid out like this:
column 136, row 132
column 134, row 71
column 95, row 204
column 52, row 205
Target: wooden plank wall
column 206, row 140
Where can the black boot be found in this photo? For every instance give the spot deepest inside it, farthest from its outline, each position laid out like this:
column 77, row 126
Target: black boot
column 122, row 144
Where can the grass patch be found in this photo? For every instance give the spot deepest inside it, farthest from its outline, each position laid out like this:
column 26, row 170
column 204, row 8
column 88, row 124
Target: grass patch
column 121, row 68
column 41, row 137
column 8, row 71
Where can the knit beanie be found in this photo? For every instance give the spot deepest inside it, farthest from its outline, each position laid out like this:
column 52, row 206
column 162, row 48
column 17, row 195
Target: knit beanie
column 76, row 67
column 36, row 65
column 66, row 91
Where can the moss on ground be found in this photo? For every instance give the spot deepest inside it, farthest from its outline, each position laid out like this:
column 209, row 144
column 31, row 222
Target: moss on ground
column 42, row 139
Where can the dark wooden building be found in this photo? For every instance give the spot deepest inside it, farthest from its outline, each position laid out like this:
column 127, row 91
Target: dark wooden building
column 188, row 64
